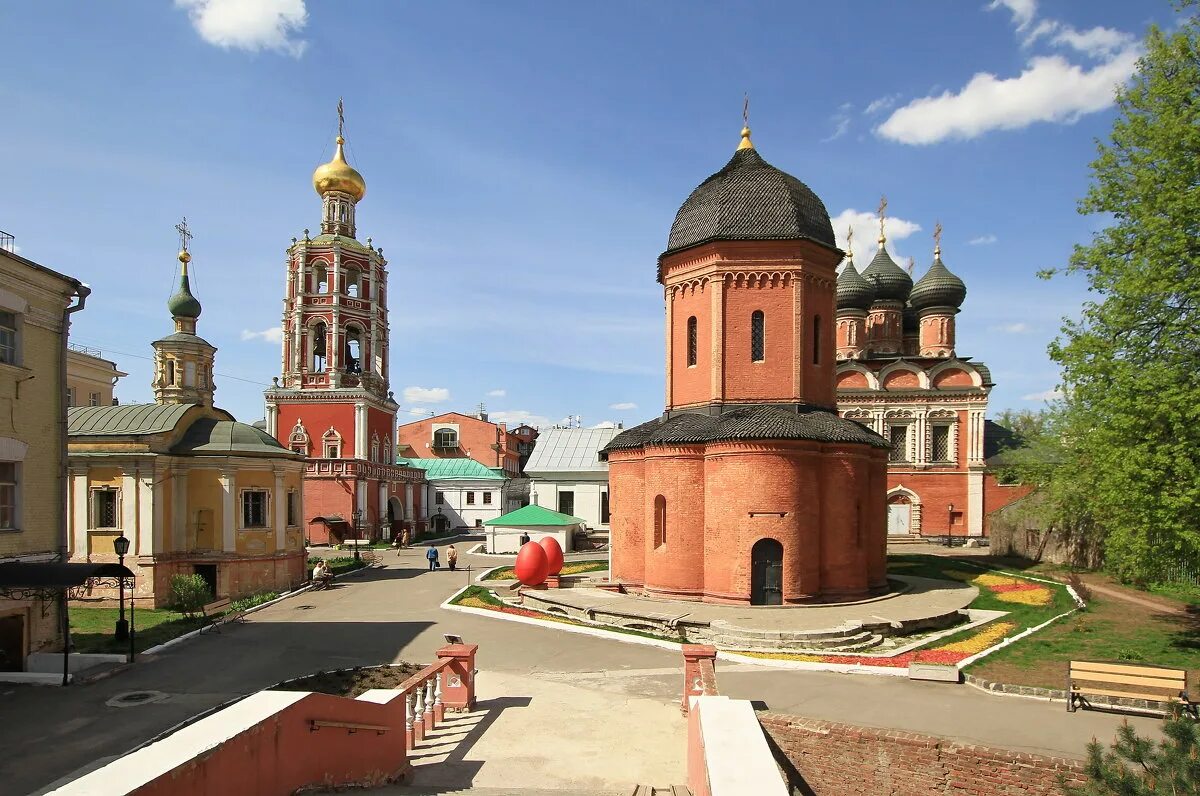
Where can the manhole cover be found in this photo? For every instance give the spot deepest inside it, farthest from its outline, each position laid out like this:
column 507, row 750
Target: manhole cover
column 133, row 698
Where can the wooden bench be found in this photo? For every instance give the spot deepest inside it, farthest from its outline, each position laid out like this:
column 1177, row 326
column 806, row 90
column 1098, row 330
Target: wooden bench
column 1127, row 681
column 215, row 609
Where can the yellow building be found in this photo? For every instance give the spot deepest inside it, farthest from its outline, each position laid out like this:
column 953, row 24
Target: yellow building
column 90, row 377
column 35, row 308
column 193, row 490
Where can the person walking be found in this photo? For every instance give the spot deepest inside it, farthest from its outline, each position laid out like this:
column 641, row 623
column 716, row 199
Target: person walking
column 524, row 538
column 404, row 538
column 432, row 555
column 451, row 557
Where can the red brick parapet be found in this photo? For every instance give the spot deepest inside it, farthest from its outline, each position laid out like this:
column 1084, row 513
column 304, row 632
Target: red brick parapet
column 699, row 673
column 458, row 677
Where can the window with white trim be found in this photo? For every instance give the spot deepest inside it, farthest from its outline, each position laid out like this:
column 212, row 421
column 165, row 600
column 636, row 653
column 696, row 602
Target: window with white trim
column 898, row 436
column 939, row 443
column 105, row 507
column 70, row 396
column 487, row 498
column 293, row 508
column 254, row 508
column 94, row 399
column 445, row 438
column 8, row 495
column 470, row 498
column 8, row 338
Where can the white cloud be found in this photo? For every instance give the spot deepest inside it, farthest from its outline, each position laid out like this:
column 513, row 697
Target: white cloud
column 417, row 412
column 623, row 406
column 605, row 424
column 1023, row 11
column 983, row 240
column 866, row 232
column 516, row 417
column 272, row 335
column 425, row 395
column 1046, row 395
column 497, row 393
column 1012, row 328
column 841, row 122
column 249, row 24
column 881, row 104
column 1049, row 90
column 1097, row 42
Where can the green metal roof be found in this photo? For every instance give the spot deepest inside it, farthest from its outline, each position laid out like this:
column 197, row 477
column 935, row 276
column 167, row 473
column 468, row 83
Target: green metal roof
column 124, row 420
column 453, row 469
column 534, row 515
column 228, row 437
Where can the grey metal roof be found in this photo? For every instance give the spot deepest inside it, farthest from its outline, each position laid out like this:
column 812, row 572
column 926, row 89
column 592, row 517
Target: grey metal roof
column 125, row 419
column 224, row 437
column 890, row 280
column 749, row 199
column 853, row 291
column 750, row 422
column 570, row 450
column 938, row 288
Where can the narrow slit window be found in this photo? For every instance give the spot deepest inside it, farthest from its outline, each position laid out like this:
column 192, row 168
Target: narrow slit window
column 816, row 340
column 660, row 520
column 758, row 336
column 692, row 342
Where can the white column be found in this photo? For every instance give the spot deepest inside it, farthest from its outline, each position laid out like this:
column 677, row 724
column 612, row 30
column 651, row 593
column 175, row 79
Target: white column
column 716, row 345
column 669, row 300
column 975, row 503
column 228, row 515
column 273, row 420
column 158, row 530
column 79, row 512
column 360, row 431
column 129, row 515
column 408, row 502
column 279, row 513
column 975, row 436
column 921, row 425
column 383, row 507
column 144, row 546
column 179, row 511
column 361, row 498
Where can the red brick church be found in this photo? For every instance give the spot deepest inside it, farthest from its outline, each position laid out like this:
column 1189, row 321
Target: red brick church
column 750, row 488
column 899, row 374
column 332, row 402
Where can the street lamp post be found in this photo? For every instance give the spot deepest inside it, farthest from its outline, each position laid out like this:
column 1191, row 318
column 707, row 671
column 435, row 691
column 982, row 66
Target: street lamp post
column 121, row 633
column 357, row 535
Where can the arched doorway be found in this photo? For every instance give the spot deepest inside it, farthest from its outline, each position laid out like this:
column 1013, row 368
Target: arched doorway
column 899, row 515
column 395, row 516
column 440, row 522
column 766, row 573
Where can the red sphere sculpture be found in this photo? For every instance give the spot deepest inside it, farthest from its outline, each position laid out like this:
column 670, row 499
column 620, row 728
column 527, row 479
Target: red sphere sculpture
column 554, row 554
column 532, row 565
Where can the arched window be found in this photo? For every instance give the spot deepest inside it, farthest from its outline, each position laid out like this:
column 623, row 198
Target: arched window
column 374, row 447
column 353, row 350
column 353, row 280
column 318, row 347
column 691, row 341
column 171, row 372
column 817, row 340
column 445, row 438
column 758, row 337
column 320, row 279
column 660, row 520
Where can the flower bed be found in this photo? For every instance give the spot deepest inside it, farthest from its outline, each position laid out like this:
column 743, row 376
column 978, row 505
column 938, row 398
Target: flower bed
column 1006, row 588
column 569, row 568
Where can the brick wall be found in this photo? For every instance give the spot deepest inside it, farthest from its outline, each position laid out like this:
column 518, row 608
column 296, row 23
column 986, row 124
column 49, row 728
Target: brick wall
column 842, row 760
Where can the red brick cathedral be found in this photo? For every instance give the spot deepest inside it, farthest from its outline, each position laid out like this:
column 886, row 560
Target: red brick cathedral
column 899, row 374
column 332, row 402
column 750, row 488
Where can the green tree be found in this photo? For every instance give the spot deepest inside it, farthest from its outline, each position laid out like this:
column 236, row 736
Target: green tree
column 1136, row 766
column 1129, row 421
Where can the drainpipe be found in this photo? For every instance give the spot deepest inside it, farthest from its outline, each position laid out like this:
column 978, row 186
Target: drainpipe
column 81, row 292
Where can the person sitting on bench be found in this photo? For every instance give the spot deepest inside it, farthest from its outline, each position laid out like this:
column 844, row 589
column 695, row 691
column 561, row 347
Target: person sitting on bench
column 322, row 575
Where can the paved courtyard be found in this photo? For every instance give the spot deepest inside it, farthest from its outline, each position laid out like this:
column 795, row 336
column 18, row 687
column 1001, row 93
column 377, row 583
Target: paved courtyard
column 573, row 684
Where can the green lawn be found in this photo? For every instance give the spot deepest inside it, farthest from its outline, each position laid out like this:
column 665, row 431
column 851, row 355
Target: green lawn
column 92, row 628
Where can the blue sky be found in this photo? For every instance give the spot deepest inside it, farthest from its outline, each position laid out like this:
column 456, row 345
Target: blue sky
column 524, row 162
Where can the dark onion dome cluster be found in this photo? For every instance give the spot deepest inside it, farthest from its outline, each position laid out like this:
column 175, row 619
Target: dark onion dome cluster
column 891, row 282
column 853, row 291
column 750, row 199
column 182, row 304
column 938, row 288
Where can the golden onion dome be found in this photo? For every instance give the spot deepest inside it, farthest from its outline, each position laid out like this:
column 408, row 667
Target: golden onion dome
column 338, row 175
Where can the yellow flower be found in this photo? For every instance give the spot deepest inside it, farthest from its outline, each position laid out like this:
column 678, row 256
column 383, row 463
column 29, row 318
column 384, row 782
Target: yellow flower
column 981, row 640
column 1040, row 596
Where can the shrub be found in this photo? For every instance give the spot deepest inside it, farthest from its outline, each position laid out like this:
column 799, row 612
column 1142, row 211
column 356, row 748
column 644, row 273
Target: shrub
column 248, row 602
column 189, row 594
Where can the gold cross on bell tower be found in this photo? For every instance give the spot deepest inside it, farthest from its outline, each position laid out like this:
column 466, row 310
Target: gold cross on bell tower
column 882, row 215
column 850, row 242
column 341, row 119
column 185, row 234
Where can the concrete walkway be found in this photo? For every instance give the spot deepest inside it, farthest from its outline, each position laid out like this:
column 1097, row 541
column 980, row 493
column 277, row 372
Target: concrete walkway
column 924, row 598
column 392, row 614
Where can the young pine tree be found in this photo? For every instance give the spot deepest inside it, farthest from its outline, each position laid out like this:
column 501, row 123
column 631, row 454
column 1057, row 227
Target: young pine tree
column 1136, row 766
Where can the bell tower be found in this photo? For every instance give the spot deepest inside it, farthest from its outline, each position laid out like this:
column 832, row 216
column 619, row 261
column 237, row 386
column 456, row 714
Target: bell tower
column 183, row 362
column 331, row 401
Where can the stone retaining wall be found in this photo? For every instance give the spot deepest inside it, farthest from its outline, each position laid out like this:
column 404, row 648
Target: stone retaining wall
column 834, row 759
column 1060, row 695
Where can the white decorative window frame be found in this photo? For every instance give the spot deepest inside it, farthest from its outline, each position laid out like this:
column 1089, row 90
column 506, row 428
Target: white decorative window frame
column 266, row 493
column 331, row 437
column 91, row 508
column 944, row 418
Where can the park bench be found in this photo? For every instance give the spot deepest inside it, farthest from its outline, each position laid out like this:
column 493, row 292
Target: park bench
column 215, row 609
column 1127, row 681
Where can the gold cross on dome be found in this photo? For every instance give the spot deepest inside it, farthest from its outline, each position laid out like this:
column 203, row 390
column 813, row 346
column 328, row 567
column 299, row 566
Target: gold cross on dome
column 850, row 241
column 185, row 234
column 745, row 110
column 937, row 238
column 882, row 215
column 341, row 118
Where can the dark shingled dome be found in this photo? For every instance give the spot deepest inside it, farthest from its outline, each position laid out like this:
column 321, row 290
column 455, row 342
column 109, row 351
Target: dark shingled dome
column 938, row 288
column 853, row 291
column 891, row 282
column 750, row 199
column 182, row 304
column 748, row 422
